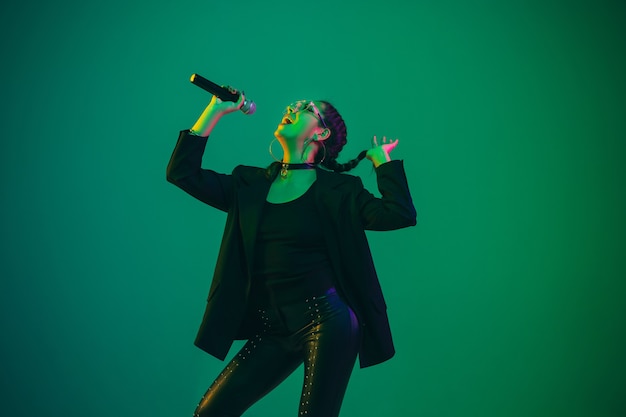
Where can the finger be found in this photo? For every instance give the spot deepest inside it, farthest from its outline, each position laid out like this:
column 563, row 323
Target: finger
column 230, row 90
column 374, row 141
column 242, row 99
column 391, row 145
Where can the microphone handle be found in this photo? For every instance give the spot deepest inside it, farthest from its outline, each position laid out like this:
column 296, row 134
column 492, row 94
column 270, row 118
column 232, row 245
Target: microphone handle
column 213, row 88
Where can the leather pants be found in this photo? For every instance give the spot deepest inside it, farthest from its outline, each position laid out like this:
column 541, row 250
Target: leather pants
column 321, row 332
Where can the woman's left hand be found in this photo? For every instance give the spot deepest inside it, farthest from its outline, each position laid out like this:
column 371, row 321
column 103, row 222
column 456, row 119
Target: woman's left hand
column 379, row 153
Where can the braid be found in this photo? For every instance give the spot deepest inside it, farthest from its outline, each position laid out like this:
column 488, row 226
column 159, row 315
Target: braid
column 333, row 165
column 336, row 141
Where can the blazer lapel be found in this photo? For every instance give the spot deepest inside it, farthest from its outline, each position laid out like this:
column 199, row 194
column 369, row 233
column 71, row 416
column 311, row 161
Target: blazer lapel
column 252, row 196
column 329, row 201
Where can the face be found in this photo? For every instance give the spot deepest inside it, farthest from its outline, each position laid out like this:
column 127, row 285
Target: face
column 300, row 120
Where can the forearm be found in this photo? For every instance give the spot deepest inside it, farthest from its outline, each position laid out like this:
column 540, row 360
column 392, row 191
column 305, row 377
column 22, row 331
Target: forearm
column 186, row 158
column 213, row 113
column 395, row 209
column 184, row 170
column 206, row 122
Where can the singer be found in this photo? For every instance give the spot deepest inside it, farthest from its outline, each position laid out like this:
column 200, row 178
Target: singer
column 294, row 275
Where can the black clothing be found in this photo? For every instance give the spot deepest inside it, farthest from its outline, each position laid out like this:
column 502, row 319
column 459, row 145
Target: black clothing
column 320, row 331
column 291, row 261
column 347, row 210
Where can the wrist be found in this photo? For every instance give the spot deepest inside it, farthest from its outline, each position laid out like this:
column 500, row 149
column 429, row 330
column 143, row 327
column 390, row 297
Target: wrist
column 205, row 124
column 380, row 159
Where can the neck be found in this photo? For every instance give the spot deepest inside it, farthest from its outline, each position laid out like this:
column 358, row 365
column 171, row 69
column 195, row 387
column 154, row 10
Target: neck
column 294, row 154
column 286, row 169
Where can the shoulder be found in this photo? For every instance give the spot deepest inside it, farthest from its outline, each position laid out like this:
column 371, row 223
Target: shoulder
column 247, row 170
column 338, row 180
column 249, row 174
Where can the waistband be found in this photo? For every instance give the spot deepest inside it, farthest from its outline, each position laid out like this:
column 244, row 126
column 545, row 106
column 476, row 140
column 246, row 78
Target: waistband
column 273, row 302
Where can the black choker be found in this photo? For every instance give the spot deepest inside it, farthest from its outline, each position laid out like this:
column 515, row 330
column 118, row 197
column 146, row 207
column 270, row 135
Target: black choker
column 285, row 167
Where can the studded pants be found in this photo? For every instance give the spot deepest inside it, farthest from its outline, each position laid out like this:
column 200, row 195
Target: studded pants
column 321, row 332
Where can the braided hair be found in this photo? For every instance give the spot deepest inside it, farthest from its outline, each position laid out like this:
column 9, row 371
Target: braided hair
column 336, row 141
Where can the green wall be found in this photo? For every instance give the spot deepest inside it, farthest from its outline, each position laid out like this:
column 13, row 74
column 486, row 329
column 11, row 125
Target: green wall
column 507, row 300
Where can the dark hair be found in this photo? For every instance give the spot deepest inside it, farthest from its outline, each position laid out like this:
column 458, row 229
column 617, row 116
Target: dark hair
column 336, row 141
column 334, row 144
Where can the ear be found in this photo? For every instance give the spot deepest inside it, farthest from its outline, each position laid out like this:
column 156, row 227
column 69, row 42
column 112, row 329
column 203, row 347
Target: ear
column 324, row 134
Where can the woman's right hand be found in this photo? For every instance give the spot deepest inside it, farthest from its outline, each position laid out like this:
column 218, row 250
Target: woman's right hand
column 221, row 108
column 214, row 112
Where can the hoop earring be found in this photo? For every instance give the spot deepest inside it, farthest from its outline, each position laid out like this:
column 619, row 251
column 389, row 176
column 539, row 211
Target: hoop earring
column 307, row 143
column 272, row 153
column 323, row 157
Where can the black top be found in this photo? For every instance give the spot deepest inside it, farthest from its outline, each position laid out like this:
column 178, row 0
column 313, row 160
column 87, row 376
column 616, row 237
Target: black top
column 291, row 258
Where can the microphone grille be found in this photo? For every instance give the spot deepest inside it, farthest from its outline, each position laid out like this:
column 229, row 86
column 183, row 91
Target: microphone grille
column 248, row 107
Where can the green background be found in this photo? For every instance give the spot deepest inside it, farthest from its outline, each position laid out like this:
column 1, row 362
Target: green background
column 508, row 299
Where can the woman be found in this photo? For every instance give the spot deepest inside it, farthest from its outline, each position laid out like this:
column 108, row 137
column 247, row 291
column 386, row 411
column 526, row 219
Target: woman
column 294, row 275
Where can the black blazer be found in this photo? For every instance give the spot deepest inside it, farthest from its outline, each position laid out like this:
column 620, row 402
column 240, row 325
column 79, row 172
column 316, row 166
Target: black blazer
column 348, row 210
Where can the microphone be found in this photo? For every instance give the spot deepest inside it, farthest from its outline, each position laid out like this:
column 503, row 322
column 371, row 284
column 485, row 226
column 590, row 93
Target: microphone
column 224, row 94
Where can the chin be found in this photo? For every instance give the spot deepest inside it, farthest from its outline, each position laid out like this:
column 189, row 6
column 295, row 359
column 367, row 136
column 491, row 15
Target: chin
column 280, row 132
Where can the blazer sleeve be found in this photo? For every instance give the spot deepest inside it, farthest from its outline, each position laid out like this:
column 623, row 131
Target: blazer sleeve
column 184, row 170
column 395, row 209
